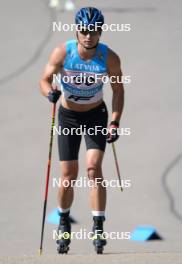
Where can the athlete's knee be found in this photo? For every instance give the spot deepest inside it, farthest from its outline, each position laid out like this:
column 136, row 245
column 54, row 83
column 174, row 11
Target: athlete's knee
column 68, row 176
column 94, row 171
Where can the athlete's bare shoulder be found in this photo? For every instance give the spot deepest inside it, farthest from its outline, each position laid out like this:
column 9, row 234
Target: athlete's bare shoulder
column 113, row 61
column 58, row 55
column 55, row 62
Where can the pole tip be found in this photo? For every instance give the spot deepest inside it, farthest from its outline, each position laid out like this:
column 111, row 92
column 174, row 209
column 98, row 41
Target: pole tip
column 40, row 251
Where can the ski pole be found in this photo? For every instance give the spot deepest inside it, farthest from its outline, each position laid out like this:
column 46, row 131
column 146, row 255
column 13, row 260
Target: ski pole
column 117, row 166
column 47, row 177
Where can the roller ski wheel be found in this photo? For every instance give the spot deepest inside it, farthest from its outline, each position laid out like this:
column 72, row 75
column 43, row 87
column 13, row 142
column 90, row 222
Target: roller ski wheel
column 99, row 250
column 63, row 249
column 99, row 245
column 64, row 232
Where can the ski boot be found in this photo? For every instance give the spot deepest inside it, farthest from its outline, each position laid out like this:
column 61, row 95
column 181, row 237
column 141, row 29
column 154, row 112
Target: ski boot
column 99, row 240
column 64, row 233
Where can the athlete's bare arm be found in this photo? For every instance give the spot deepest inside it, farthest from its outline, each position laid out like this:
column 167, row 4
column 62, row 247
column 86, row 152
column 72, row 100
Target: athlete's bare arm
column 52, row 67
column 114, row 69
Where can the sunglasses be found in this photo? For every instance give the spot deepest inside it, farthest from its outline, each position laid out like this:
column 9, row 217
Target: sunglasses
column 86, row 32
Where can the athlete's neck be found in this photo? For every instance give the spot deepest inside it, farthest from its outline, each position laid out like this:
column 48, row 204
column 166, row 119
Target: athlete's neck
column 85, row 53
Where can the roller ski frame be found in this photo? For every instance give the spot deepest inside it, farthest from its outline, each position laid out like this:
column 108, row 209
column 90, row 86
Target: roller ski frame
column 98, row 238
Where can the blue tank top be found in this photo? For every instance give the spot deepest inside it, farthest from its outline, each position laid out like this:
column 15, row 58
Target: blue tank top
column 82, row 80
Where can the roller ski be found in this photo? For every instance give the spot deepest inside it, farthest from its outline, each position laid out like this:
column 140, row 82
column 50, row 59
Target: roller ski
column 99, row 240
column 64, row 233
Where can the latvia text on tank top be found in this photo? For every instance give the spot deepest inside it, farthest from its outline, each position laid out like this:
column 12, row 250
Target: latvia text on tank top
column 82, row 80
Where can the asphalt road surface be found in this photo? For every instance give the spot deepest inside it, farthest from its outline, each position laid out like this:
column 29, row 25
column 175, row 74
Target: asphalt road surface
column 150, row 158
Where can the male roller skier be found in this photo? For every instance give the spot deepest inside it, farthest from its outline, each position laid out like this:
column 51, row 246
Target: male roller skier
column 82, row 104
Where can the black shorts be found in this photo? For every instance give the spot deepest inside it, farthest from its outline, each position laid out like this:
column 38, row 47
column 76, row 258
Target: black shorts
column 72, row 125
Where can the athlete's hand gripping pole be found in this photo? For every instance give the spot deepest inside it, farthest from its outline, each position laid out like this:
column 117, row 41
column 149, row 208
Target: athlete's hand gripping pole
column 47, row 177
column 117, row 166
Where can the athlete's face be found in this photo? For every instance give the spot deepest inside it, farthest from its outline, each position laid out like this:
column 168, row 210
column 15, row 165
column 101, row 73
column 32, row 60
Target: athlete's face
column 88, row 39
